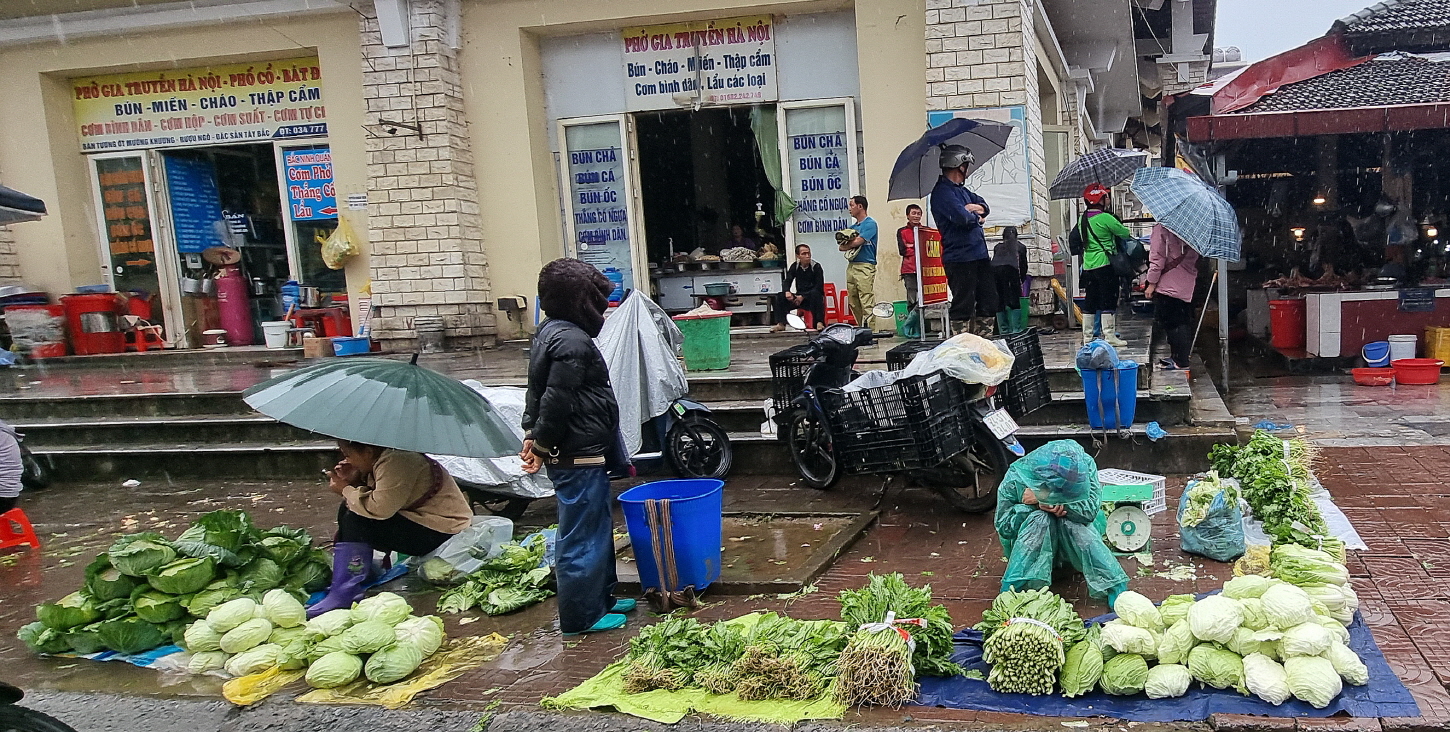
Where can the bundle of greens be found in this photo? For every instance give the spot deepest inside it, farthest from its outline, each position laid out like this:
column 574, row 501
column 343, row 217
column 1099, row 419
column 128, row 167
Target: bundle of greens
column 1276, row 479
column 785, row 658
column 1026, row 635
column 144, row 590
column 509, row 581
column 876, row 668
column 665, row 656
column 890, row 594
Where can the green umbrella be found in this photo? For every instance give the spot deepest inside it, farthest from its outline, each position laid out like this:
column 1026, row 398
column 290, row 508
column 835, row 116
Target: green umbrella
column 387, row 403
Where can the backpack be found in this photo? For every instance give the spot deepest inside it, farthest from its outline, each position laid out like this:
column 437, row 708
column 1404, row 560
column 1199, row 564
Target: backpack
column 1075, row 240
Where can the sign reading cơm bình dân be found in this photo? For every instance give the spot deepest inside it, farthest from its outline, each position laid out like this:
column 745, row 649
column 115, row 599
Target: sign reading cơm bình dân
column 220, row 104
column 726, row 61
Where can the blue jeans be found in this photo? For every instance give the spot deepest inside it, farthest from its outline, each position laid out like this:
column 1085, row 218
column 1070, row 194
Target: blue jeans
column 584, row 549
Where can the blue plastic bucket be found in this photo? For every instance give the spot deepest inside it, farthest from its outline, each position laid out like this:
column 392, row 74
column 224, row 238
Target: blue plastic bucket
column 1111, row 395
column 1376, row 354
column 350, row 345
column 683, row 515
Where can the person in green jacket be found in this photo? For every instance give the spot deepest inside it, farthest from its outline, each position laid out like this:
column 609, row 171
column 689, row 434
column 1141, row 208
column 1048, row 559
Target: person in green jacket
column 1100, row 232
column 1050, row 514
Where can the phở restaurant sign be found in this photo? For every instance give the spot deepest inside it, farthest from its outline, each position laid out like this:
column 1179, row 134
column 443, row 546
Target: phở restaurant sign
column 220, row 104
column 727, row 61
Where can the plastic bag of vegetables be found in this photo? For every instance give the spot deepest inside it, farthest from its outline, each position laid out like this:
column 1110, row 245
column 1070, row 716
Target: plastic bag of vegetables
column 1209, row 520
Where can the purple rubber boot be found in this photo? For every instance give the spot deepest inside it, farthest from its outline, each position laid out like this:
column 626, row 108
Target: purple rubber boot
column 350, row 564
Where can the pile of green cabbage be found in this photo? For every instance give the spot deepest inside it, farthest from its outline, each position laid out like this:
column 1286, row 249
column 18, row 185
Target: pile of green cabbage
column 1269, row 637
column 378, row 638
column 143, row 592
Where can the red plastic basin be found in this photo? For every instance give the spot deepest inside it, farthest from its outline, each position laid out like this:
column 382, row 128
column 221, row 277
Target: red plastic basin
column 1417, row 370
column 1373, row 376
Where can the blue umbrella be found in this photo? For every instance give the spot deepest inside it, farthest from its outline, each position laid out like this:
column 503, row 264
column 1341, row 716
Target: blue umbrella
column 916, row 170
column 1107, row 166
column 1191, row 209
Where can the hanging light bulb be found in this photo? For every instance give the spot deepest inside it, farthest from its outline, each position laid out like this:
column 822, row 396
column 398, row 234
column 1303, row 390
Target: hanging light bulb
column 1298, row 232
column 1432, row 232
column 1319, row 200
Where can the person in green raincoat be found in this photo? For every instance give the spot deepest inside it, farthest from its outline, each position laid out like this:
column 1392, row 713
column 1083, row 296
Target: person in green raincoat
column 1049, row 513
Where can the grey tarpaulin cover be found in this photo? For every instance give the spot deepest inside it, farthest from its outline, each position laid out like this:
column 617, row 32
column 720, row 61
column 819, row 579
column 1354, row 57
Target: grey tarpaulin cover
column 505, row 474
column 642, row 345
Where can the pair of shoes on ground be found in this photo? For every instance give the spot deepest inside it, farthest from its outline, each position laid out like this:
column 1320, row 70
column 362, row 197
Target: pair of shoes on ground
column 614, row 619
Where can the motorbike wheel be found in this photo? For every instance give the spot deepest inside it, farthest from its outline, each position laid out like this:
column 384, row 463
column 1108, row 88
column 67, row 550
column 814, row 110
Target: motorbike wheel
column 970, row 479
column 20, row 719
column 809, row 440
column 697, row 447
column 34, row 475
column 509, row 507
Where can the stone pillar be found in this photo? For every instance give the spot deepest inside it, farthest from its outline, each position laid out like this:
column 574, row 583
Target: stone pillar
column 9, row 260
column 427, row 254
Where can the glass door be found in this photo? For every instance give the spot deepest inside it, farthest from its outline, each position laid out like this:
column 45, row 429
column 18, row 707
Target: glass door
column 126, row 215
column 309, row 202
column 818, row 153
column 600, row 216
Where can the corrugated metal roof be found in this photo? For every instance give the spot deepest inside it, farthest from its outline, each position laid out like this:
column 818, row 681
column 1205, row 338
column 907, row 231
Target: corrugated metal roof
column 1393, row 79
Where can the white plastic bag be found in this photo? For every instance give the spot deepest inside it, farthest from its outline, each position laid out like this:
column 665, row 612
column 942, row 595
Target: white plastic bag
column 467, row 550
column 967, row 357
column 640, row 344
column 505, row 474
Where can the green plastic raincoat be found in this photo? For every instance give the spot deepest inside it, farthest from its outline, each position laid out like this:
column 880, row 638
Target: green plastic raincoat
column 1059, row 473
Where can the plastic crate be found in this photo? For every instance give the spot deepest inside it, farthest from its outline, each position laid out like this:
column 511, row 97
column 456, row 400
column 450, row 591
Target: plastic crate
column 788, row 371
column 1159, row 502
column 1027, row 389
column 900, row 356
column 916, row 422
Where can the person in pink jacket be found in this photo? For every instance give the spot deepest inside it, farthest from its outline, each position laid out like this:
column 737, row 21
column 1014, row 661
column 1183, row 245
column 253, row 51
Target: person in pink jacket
column 1172, row 274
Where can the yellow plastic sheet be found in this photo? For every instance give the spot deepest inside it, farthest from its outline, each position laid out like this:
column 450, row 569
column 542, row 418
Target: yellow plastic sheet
column 252, row 688
column 668, row 707
column 460, row 655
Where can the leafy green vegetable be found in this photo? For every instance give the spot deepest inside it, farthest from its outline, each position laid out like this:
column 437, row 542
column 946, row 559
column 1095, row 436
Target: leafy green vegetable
column 1124, row 675
column 1313, row 679
column 254, row 659
column 368, row 636
column 201, row 638
column 260, row 575
column 426, row 633
column 332, row 622
column 392, row 663
column 1201, row 496
column 1215, row 618
column 311, row 573
column 157, row 607
column 205, row 661
column 283, row 609
column 1175, row 608
column 1247, row 586
column 1176, row 643
column 1276, row 485
column 213, row 595
column 1083, row 667
column 1286, row 606
column 1265, row 678
column 1137, row 610
column 333, row 670
column 137, row 555
column 229, row 615
column 1301, row 566
column 891, row 594
column 1217, row 667
column 84, row 640
column 1166, row 681
column 183, row 576
column 69, row 611
column 40, row 639
column 507, row 582
column 104, row 582
column 1347, row 664
column 130, row 635
column 250, row 634
column 384, row 607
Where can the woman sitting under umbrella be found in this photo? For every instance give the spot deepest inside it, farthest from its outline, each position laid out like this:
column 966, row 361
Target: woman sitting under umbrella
column 392, row 501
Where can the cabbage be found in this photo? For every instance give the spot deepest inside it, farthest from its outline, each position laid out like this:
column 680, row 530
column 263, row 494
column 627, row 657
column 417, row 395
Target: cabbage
column 1265, row 678
column 1303, row 566
column 213, row 595
column 40, row 639
column 1287, row 606
column 298, row 652
column 1249, row 585
column 283, row 609
column 252, row 660
column 1215, row 618
column 282, row 549
column 84, row 639
column 157, row 607
column 440, row 572
column 1138, row 611
column 227, row 530
column 1305, row 639
column 1336, row 631
column 130, row 635
column 183, row 576
column 334, row 669
column 229, row 615
column 332, row 622
column 1216, row 667
column 205, row 661
column 68, row 612
column 1254, row 617
column 392, row 663
column 1167, row 680
column 138, row 555
column 426, row 633
column 1125, row 674
column 1351, row 598
column 384, row 606
column 1347, row 664
column 1244, row 642
column 1329, row 596
column 200, row 638
column 1313, row 679
column 1126, row 638
column 1083, row 668
column 250, row 634
column 369, row 636
column 1177, row 641
column 326, row 646
column 283, row 636
column 104, row 582
column 261, row 575
column 1175, row 608
column 311, row 574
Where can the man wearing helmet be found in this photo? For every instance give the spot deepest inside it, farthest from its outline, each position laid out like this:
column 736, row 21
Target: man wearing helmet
column 1100, row 232
column 958, row 213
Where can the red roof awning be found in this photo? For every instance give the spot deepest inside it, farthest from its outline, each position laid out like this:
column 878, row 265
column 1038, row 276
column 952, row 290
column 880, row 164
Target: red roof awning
column 1315, row 58
column 1308, row 123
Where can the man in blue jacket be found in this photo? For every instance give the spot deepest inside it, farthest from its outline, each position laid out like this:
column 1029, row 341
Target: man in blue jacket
column 958, row 214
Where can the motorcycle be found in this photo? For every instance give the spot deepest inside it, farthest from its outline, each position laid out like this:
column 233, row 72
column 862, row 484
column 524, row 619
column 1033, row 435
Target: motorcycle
column 20, row 719
column 687, row 439
column 966, row 478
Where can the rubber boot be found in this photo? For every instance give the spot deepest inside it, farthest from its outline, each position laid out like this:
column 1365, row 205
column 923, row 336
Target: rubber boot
column 1110, row 330
column 1088, row 326
column 350, row 564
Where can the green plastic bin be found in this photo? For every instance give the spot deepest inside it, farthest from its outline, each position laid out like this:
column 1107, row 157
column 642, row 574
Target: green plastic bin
column 899, row 309
column 707, row 340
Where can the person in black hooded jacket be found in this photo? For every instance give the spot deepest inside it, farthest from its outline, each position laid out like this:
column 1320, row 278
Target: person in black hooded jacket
column 571, row 422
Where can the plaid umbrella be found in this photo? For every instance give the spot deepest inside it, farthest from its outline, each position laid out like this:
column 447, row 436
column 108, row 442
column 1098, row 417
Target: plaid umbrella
column 916, row 170
column 1191, row 209
column 1108, row 166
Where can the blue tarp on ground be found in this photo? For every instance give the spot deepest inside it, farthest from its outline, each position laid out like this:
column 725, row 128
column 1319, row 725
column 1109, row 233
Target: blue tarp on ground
column 1384, row 696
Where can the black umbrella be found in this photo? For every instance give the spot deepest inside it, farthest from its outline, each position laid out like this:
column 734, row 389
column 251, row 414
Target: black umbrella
column 916, row 170
column 16, row 206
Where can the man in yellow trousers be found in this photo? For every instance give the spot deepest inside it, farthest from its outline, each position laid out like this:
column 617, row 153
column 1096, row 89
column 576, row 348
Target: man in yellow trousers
column 860, row 251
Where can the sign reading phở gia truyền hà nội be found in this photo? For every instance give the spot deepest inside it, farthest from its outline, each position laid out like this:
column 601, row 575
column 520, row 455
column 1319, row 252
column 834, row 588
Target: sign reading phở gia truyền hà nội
column 726, row 61
column 219, row 104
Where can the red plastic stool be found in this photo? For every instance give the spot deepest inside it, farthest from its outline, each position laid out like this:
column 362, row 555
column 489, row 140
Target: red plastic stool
column 807, row 316
column 833, row 313
column 9, row 536
column 844, row 306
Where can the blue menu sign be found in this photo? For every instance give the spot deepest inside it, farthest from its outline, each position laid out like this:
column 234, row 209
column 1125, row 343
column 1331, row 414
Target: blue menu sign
column 310, row 191
column 196, row 206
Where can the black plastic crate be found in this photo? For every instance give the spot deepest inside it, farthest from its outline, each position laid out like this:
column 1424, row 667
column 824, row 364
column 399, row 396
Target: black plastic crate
column 900, row 356
column 788, row 371
column 1027, row 389
column 916, row 422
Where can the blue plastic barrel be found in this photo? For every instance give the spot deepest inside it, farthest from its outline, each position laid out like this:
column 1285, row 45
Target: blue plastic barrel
column 1376, row 354
column 615, row 276
column 1111, row 395
column 676, row 523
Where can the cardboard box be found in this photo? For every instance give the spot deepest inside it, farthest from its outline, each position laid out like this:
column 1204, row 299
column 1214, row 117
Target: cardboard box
column 315, row 347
